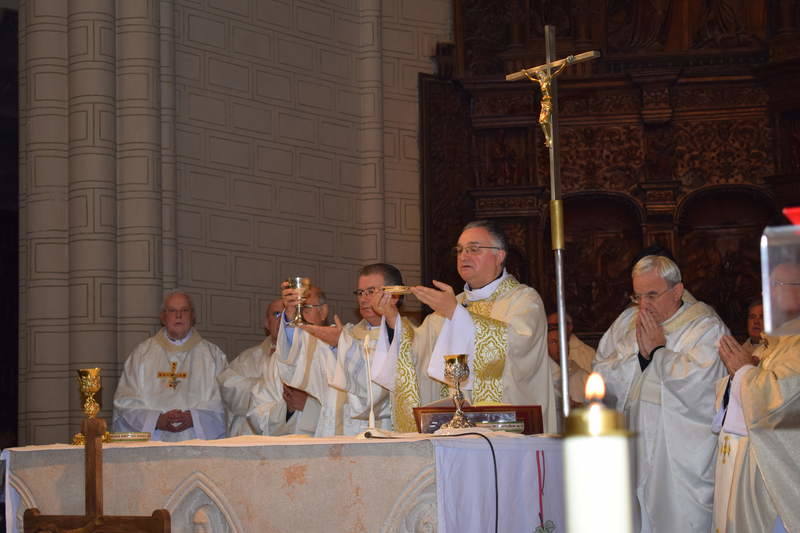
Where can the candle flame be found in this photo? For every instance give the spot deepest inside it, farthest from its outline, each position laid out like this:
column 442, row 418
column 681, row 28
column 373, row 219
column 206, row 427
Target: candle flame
column 595, row 387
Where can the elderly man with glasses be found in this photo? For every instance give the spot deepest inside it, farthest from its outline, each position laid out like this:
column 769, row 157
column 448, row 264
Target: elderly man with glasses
column 659, row 361
column 759, row 405
column 497, row 321
column 289, row 396
column 168, row 386
column 356, row 397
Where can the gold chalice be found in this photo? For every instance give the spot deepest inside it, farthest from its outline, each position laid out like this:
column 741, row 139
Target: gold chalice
column 301, row 285
column 456, row 369
column 89, row 384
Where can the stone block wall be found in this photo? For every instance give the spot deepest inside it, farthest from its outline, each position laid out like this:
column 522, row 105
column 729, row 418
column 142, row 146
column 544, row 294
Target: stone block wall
column 297, row 149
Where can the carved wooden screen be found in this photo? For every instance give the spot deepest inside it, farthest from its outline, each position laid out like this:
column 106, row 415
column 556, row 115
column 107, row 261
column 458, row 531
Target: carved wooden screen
column 691, row 104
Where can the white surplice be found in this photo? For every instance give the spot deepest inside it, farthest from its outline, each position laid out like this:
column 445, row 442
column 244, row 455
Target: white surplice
column 503, row 330
column 236, row 386
column 581, row 353
column 670, row 406
column 300, row 363
column 350, row 374
column 758, row 457
column 141, row 395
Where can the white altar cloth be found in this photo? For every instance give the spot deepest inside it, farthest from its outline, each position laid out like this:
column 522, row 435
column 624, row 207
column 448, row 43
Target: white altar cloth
column 289, row 484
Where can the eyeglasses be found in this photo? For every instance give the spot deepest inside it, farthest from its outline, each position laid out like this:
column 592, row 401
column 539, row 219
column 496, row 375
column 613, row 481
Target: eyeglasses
column 776, row 283
column 181, row 311
column 369, row 291
column 649, row 296
column 312, row 306
column 472, row 249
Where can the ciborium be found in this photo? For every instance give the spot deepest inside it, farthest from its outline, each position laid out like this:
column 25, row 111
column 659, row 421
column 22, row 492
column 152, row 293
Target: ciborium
column 301, row 285
column 457, row 370
column 88, row 384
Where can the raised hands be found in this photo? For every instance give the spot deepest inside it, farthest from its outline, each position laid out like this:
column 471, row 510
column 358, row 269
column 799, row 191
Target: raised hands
column 442, row 299
column 327, row 334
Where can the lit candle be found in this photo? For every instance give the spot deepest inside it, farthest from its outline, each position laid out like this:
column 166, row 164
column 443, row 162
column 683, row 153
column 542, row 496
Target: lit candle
column 597, row 466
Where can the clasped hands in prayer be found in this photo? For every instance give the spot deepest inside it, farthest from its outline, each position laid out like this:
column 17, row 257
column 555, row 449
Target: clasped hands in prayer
column 175, row 421
column 649, row 333
column 733, row 355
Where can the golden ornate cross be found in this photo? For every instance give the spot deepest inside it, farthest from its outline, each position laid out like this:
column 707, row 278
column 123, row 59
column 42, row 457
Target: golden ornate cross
column 725, row 450
column 173, row 376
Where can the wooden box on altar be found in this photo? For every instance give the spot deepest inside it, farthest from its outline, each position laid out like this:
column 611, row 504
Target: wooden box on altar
column 429, row 418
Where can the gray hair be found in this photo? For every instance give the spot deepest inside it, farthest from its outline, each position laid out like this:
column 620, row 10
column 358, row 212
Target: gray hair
column 188, row 300
column 663, row 266
column 494, row 231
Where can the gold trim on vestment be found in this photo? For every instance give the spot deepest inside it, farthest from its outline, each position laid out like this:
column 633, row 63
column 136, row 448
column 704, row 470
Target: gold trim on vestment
column 406, row 390
column 491, row 345
column 163, row 341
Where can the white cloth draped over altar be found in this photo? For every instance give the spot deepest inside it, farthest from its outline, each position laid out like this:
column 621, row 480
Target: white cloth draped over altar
column 255, row 483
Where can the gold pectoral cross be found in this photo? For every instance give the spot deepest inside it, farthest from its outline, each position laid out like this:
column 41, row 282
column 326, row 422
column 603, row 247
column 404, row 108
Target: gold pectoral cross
column 173, row 376
column 725, row 450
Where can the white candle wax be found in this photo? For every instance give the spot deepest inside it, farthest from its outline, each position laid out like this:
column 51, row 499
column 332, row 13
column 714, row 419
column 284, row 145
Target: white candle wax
column 597, row 471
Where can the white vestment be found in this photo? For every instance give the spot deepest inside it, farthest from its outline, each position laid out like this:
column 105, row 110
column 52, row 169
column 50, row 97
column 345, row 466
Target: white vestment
column 670, row 406
column 300, row 363
column 758, row 458
column 142, row 395
column 750, row 346
column 503, row 330
column 236, row 386
column 350, row 374
column 577, row 386
column 581, row 353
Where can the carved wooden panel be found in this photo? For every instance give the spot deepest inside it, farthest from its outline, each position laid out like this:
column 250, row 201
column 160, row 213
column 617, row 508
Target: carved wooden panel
column 603, row 234
column 719, row 231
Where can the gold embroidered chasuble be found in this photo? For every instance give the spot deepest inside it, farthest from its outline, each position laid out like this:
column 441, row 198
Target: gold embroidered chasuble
column 758, row 479
column 509, row 363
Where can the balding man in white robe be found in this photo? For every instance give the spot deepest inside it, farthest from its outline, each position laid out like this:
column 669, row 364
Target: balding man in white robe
column 659, row 361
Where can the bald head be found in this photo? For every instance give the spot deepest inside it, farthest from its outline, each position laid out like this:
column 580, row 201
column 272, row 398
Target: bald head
column 785, row 285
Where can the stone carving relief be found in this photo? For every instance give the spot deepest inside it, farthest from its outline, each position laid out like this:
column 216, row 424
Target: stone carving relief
column 501, row 157
column 26, row 500
column 701, row 97
column 486, row 33
column 723, row 25
column 415, row 509
column 198, row 506
column 505, row 104
column 723, row 151
column 554, row 12
column 633, row 26
column 601, row 158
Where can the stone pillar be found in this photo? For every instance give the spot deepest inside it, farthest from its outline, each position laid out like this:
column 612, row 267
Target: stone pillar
column 91, row 202
column 44, row 237
column 93, row 264
column 372, row 205
column 139, row 226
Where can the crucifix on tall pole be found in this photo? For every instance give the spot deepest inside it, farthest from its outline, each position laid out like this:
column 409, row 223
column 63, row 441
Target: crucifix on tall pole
column 545, row 76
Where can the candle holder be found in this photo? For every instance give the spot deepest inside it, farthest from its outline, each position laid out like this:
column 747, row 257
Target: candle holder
column 301, row 285
column 456, row 369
